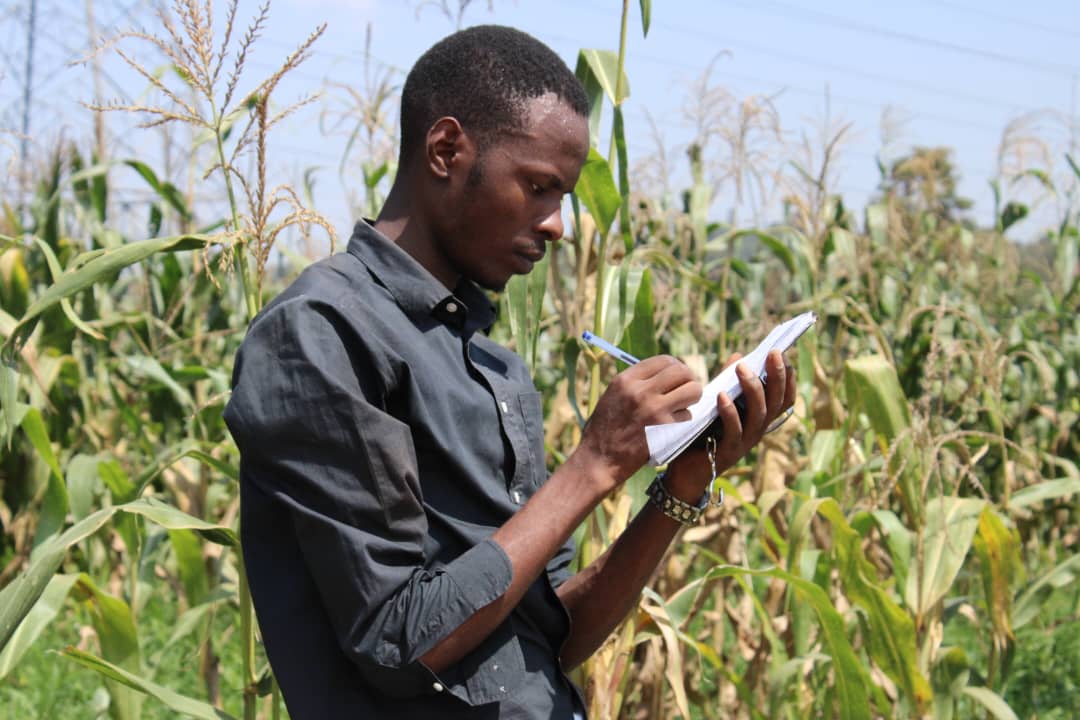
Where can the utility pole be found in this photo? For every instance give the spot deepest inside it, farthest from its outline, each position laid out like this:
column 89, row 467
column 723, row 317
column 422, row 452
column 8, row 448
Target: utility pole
column 1074, row 120
column 95, row 71
column 28, row 85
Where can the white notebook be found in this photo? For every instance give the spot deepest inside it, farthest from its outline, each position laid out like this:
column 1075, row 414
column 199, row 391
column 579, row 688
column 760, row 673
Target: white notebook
column 667, row 442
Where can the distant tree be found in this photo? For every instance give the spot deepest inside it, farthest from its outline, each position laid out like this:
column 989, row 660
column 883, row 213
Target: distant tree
column 924, row 183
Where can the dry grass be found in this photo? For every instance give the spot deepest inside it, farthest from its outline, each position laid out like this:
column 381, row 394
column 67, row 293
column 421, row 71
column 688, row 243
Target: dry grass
column 742, row 142
column 367, row 115
column 209, row 100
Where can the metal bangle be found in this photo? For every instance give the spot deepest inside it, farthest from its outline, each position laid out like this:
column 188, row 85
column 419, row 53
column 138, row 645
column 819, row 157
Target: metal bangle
column 775, row 424
column 672, row 506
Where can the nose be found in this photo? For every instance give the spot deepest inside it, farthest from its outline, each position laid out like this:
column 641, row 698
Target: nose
column 551, row 225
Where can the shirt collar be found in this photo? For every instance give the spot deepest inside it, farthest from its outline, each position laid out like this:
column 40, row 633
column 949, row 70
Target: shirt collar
column 415, row 289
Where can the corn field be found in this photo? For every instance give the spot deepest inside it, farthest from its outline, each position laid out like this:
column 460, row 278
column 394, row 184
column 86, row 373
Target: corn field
column 904, row 547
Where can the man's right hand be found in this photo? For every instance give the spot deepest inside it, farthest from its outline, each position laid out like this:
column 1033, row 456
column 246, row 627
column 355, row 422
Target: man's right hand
column 655, row 391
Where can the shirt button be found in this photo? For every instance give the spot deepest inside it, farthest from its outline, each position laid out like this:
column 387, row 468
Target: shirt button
column 504, row 406
column 437, row 687
column 502, row 688
column 451, row 307
column 517, row 498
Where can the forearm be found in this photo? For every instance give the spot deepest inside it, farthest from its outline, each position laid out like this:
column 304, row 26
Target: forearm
column 530, row 539
column 601, row 595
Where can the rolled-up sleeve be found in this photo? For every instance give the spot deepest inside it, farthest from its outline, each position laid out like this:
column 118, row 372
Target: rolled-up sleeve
column 308, row 415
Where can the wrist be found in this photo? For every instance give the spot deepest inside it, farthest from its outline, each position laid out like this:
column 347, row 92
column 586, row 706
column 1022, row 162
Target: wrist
column 685, row 482
column 591, row 471
column 685, row 513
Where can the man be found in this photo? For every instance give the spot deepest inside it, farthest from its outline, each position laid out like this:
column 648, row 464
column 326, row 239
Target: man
column 408, row 554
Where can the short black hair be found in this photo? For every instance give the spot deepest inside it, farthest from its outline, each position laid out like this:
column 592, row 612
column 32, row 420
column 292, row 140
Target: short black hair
column 482, row 76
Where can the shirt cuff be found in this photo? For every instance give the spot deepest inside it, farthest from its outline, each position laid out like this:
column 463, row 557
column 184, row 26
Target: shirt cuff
column 481, row 575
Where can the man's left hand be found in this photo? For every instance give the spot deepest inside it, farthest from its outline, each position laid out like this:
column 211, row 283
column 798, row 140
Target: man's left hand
column 691, row 472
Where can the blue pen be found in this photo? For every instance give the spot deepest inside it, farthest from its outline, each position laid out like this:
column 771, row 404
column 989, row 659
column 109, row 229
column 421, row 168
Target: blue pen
column 609, row 348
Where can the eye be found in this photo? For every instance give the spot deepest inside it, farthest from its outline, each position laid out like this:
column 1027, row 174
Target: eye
column 536, row 189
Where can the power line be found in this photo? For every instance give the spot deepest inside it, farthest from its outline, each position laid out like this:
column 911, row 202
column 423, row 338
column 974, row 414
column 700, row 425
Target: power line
column 956, row 121
column 60, row 12
column 358, row 55
column 801, row 89
column 1004, row 19
column 785, row 87
column 848, row 150
column 75, row 54
column 847, row 70
column 823, row 18
column 804, row 60
column 9, row 61
column 657, row 60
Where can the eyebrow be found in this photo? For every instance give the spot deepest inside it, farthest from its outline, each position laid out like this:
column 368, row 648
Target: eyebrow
column 551, row 180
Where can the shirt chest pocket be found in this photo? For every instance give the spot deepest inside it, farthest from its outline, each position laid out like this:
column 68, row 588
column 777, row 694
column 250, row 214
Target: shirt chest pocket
column 532, row 417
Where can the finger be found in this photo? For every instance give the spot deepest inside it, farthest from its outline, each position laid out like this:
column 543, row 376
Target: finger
column 673, row 405
column 735, row 357
column 650, row 367
column 790, row 387
column 754, row 392
column 665, row 371
column 729, row 416
column 683, row 396
column 678, row 389
column 667, row 394
column 775, row 384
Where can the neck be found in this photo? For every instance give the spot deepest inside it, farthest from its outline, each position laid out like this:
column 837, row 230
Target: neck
column 404, row 223
column 394, row 217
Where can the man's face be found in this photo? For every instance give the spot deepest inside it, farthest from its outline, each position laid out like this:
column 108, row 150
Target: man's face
column 509, row 205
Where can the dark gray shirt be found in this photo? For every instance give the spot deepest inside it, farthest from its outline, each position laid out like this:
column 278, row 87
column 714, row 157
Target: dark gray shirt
column 383, row 437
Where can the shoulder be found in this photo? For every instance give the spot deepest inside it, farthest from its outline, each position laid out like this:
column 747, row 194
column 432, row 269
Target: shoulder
column 336, row 296
column 340, row 282
column 318, row 332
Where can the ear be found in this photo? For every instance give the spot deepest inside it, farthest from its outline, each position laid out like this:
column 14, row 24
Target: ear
column 449, row 149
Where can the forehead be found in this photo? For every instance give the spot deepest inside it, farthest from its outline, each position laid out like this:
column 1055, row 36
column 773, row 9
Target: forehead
column 549, row 126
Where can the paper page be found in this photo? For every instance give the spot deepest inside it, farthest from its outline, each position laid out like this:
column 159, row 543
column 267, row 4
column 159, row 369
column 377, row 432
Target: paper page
column 666, row 442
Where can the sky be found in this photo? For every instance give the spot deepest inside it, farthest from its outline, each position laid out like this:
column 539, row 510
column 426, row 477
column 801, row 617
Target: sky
column 955, row 73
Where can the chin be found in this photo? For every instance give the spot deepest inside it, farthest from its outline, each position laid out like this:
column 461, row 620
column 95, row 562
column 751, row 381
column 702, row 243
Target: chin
column 493, row 282
column 493, row 285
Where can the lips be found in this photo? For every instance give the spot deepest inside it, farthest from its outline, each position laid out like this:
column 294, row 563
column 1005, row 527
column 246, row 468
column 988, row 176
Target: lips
column 533, row 253
column 527, row 256
column 532, row 257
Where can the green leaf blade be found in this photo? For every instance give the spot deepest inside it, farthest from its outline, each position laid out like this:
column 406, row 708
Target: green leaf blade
column 19, row 596
column 172, row 518
column 172, row 699
column 102, row 266
column 852, row 697
column 596, row 189
column 34, row 623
